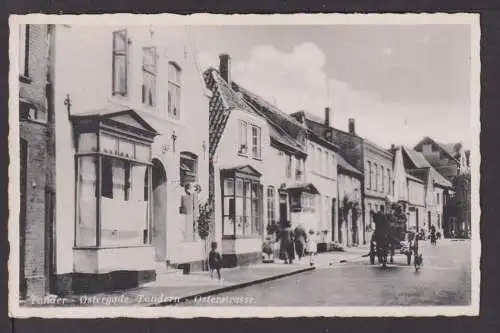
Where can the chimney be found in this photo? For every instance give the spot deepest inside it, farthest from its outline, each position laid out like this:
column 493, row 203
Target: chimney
column 327, row 116
column 225, row 67
column 352, row 129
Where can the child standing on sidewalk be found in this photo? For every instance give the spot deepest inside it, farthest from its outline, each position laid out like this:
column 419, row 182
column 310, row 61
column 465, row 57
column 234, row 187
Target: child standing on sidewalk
column 214, row 260
column 312, row 246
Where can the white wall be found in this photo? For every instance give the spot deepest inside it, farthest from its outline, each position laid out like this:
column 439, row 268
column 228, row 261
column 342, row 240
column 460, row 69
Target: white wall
column 323, row 175
column 83, row 69
column 416, row 193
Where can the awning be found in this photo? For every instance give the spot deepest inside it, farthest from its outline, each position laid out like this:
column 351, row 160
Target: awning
column 305, row 187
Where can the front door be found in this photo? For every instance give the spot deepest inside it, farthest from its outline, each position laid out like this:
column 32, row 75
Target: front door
column 283, row 208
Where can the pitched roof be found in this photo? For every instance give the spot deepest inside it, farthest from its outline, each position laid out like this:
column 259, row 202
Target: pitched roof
column 419, row 161
column 282, row 127
column 346, row 166
column 417, row 158
column 448, row 148
column 237, row 97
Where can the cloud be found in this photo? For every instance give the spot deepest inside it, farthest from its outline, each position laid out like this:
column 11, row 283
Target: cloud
column 297, row 80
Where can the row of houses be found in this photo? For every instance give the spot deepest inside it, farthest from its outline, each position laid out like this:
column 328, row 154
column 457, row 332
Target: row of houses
column 124, row 147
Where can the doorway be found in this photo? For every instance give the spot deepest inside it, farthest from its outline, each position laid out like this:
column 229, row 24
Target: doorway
column 159, row 210
column 283, row 208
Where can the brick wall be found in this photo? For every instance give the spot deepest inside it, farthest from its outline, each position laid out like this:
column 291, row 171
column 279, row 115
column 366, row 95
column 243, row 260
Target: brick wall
column 36, row 133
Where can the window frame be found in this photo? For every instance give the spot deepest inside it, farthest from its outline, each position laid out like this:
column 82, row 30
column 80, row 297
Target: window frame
column 152, row 71
column 174, row 81
column 256, row 222
column 116, row 88
column 370, row 170
column 99, row 155
column 24, row 51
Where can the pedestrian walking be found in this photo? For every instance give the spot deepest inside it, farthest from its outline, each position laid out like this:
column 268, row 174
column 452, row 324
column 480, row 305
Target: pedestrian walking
column 433, row 235
column 214, row 260
column 312, row 246
column 285, row 237
column 300, row 240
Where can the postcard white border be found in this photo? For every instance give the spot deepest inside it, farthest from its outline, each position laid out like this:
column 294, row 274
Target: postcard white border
column 237, row 312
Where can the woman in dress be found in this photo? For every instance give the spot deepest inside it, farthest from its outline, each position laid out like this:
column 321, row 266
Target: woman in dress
column 285, row 237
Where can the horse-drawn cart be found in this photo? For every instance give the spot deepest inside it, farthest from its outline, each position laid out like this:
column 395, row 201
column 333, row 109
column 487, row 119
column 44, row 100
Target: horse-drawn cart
column 391, row 237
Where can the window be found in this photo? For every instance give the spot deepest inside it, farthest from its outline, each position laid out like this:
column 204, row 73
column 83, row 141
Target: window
column 319, row 162
column 243, row 148
column 299, row 169
column 174, row 90
column 250, row 140
column 288, row 159
column 149, row 76
column 368, row 175
column 120, row 63
column 188, row 168
column 375, row 186
column 242, row 207
column 113, row 184
column 326, row 160
column 382, row 174
column 312, row 153
column 437, row 198
column 256, row 142
column 271, row 197
column 31, row 112
column 24, row 49
column 388, row 180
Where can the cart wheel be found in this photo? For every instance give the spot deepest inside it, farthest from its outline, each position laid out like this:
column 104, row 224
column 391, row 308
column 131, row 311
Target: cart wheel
column 372, row 259
column 408, row 259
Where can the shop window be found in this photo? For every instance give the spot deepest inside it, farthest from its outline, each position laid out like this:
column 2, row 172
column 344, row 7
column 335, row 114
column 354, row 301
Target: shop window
column 174, row 91
column 242, row 207
column 120, row 63
column 113, row 187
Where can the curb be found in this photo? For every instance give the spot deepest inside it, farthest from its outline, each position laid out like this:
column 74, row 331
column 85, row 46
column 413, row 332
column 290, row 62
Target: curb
column 232, row 287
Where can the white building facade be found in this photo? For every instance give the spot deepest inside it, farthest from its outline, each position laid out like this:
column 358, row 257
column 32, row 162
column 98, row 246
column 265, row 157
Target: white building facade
column 132, row 164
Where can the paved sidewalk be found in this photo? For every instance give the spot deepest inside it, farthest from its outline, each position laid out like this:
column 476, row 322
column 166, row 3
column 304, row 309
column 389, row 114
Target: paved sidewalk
column 173, row 288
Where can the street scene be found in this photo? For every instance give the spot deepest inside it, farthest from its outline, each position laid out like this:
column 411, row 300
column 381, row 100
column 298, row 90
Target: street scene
column 356, row 283
column 246, row 165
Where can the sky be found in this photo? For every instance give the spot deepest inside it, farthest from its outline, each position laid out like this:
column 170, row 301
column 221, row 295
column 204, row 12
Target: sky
column 399, row 82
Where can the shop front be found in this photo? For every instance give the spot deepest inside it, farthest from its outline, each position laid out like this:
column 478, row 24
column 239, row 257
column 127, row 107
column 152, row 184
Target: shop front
column 242, row 215
column 113, row 212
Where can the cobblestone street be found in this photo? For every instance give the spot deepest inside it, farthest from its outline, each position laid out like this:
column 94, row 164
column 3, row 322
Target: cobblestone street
column 443, row 280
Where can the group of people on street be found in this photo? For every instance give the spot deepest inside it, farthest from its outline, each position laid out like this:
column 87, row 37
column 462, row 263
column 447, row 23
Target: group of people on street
column 296, row 241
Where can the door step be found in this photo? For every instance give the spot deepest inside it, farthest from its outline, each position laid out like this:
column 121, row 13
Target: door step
column 162, row 267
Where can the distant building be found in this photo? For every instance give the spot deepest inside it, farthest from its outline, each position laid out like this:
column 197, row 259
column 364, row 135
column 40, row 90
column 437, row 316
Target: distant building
column 37, row 158
column 421, row 189
column 365, row 156
column 453, row 162
column 449, row 159
column 344, row 211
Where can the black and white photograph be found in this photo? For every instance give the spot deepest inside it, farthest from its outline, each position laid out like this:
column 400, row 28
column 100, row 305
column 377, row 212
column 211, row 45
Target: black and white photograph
column 244, row 165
